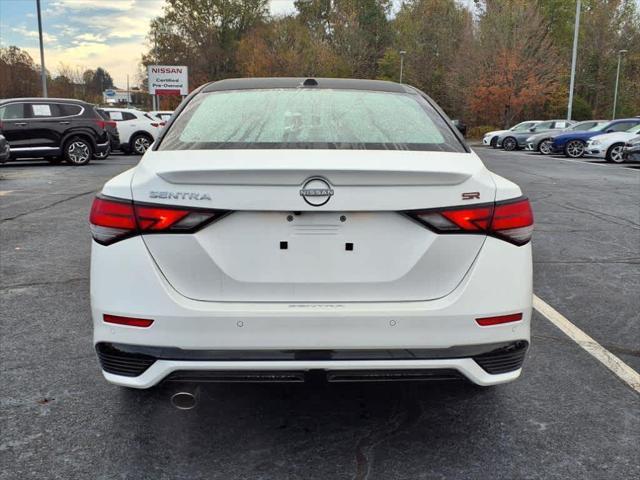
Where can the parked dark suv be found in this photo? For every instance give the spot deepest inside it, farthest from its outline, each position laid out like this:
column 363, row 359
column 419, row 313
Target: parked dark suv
column 53, row 128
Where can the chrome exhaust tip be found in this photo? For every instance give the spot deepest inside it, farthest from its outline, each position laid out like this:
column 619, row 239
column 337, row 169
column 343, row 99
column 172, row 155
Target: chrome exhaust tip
column 185, row 400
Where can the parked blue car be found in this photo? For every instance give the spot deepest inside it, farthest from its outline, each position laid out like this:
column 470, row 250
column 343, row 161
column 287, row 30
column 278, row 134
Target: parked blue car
column 573, row 144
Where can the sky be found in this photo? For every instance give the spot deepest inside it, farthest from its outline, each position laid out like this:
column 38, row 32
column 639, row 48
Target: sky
column 88, row 33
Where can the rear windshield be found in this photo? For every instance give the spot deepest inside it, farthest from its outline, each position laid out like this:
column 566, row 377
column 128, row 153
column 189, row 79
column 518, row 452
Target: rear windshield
column 311, row 119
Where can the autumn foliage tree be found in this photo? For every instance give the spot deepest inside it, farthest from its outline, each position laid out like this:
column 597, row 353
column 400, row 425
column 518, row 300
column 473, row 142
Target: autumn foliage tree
column 517, row 68
column 287, row 47
column 19, row 76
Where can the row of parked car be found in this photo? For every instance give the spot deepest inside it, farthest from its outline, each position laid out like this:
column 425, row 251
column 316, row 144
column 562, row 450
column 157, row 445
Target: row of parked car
column 613, row 140
column 74, row 131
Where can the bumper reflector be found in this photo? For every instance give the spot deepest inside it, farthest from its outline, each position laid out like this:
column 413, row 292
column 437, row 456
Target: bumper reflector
column 128, row 321
column 488, row 321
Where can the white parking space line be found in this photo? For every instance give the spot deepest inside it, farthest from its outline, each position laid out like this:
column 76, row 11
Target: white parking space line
column 608, row 359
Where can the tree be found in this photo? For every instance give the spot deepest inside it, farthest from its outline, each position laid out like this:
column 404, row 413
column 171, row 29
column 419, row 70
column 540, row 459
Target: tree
column 517, row 66
column 95, row 82
column 607, row 27
column 19, row 76
column 437, row 36
column 357, row 30
column 286, row 47
column 203, row 34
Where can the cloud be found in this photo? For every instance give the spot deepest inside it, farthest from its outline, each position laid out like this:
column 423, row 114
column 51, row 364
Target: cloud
column 100, row 33
column 119, row 60
column 66, row 5
column 89, row 37
column 25, row 32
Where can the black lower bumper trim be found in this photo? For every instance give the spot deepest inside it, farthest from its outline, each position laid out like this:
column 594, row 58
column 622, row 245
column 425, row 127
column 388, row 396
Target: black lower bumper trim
column 269, row 376
column 172, row 353
column 503, row 360
column 133, row 360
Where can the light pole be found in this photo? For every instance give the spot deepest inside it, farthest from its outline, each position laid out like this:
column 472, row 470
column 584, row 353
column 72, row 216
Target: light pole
column 402, row 53
column 43, row 71
column 615, row 92
column 574, row 55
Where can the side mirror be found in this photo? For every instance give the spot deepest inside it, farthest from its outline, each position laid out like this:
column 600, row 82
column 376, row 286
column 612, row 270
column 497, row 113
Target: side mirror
column 611, row 130
column 532, row 129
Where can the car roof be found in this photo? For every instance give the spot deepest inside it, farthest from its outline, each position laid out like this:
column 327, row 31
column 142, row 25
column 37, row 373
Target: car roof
column 116, row 109
column 632, row 119
column 41, row 99
column 313, row 82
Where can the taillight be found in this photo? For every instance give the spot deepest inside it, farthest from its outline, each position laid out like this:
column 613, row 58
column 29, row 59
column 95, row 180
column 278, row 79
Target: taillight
column 158, row 124
column 115, row 219
column 510, row 220
column 101, row 123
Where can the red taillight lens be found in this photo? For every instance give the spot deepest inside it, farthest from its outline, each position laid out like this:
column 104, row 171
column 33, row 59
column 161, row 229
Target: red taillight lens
column 129, row 321
column 101, row 123
column 511, row 220
column 158, row 124
column 470, row 219
column 111, row 220
column 114, row 219
column 488, row 321
column 158, row 218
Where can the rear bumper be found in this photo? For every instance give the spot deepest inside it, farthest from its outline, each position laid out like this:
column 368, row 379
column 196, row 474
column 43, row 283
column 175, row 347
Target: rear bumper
column 102, row 147
column 132, row 366
column 498, row 283
column 631, row 154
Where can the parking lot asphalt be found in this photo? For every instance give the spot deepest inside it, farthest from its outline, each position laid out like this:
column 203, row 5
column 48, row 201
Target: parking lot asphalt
column 567, row 417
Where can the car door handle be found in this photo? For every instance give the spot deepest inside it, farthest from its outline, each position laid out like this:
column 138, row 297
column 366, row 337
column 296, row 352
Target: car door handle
column 21, row 124
column 64, row 123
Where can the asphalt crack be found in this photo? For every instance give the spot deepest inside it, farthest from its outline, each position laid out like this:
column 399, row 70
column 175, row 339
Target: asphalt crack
column 39, row 284
column 602, row 216
column 44, row 207
column 405, row 412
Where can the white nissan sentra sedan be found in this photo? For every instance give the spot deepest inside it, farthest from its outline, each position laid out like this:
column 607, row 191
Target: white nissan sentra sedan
column 284, row 226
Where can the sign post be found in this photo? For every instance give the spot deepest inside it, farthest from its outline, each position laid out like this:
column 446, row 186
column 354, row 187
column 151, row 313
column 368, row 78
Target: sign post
column 168, row 80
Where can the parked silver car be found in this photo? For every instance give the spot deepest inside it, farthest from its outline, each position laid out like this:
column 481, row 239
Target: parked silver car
column 516, row 140
column 541, row 142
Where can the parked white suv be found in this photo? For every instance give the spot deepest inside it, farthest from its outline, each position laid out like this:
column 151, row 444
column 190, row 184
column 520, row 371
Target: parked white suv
column 286, row 226
column 137, row 129
column 163, row 115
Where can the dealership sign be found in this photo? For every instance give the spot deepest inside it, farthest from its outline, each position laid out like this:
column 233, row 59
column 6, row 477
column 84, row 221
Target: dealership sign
column 168, row 80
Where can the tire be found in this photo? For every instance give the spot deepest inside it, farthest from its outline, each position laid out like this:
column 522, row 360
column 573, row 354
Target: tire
column 614, row 154
column 574, row 149
column 544, row 147
column 103, row 155
column 140, row 143
column 78, row 151
column 510, row 144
